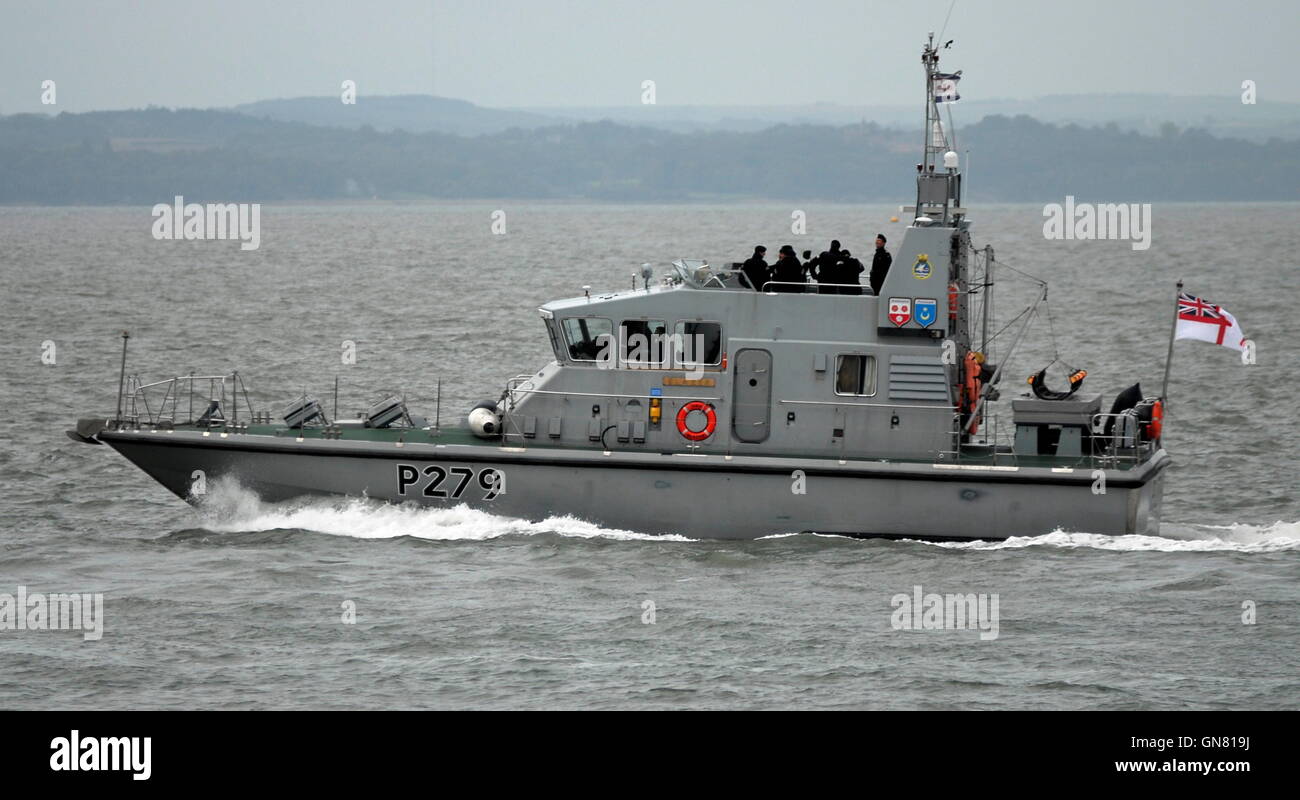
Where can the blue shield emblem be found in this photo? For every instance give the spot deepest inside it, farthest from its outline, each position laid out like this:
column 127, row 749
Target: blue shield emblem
column 926, row 312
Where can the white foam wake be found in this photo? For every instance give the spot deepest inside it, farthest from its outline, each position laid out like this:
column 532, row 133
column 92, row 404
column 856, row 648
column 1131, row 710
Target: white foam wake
column 229, row 508
column 1175, row 538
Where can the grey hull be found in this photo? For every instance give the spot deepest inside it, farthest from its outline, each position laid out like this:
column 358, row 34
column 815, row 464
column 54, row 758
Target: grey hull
column 699, row 496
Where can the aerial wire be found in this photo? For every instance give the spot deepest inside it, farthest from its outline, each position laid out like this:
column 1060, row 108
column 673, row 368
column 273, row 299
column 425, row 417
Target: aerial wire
column 945, row 20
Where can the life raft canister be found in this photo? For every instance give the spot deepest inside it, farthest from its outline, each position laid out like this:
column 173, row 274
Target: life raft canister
column 710, row 423
column 970, row 390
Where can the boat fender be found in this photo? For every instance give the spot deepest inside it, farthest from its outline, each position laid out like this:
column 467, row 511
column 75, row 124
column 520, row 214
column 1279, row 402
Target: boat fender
column 485, row 420
column 710, row 417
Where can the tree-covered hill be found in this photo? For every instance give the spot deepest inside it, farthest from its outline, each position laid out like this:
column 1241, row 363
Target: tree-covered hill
column 148, row 156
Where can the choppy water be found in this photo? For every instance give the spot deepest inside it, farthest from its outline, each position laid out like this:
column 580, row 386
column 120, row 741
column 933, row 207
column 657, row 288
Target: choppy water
column 239, row 605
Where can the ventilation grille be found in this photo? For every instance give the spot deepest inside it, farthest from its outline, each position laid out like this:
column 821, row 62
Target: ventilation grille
column 917, row 378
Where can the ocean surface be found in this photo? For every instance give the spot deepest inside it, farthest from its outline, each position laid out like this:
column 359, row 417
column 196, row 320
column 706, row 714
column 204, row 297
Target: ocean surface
column 242, row 605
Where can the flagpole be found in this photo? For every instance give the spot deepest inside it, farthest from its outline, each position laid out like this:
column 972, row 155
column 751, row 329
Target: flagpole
column 1169, row 357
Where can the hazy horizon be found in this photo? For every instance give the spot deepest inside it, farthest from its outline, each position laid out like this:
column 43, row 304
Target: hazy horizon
column 581, row 53
column 966, row 102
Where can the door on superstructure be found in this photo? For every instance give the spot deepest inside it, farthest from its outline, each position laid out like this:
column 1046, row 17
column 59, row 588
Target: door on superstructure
column 752, row 406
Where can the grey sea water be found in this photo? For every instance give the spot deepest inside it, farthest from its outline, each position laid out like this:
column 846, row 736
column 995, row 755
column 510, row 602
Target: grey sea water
column 240, row 605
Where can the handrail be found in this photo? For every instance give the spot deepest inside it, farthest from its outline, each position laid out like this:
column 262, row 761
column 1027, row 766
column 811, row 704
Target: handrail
column 139, row 396
column 1114, row 447
column 902, row 404
column 620, row 396
column 863, row 290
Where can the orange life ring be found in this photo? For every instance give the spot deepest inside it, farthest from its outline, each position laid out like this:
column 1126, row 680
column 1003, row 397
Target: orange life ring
column 711, row 421
column 1157, row 420
column 970, row 390
column 952, row 301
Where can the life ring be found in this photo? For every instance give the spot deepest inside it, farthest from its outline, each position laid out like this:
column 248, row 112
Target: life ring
column 1156, row 424
column 970, row 391
column 952, row 301
column 711, row 421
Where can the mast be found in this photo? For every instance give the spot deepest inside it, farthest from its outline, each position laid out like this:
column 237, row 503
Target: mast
column 986, row 293
column 932, row 155
column 938, row 179
column 121, row 379
column 1169, row 356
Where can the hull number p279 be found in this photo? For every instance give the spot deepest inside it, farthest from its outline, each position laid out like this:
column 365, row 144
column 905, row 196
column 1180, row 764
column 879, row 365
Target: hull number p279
column 448, row 482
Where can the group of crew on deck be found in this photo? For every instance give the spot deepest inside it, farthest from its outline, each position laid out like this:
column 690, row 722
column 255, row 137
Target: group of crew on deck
column 835, row 271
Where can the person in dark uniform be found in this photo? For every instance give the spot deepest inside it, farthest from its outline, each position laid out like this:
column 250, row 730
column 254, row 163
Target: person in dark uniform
column 756, row 269
column 880, row 264
column 787, row 270
column 849, row 270
column 809, row 266
column 828, row 266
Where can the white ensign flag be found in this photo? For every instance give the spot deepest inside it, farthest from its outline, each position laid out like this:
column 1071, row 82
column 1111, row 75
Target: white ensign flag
column 1207, row 322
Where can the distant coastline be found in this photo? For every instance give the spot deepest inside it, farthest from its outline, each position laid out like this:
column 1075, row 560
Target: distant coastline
column 145, row 156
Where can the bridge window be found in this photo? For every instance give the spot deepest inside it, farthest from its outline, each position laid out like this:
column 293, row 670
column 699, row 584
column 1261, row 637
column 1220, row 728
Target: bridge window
column 701, row 342
column 855, row 375
column 587, row 337
column 555, row 341
column 645, row 341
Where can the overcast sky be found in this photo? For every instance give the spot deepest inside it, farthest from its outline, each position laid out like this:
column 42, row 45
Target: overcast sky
column 133, row 53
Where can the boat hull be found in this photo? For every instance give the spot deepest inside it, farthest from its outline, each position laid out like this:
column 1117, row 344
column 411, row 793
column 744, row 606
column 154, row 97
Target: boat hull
column 699, row 496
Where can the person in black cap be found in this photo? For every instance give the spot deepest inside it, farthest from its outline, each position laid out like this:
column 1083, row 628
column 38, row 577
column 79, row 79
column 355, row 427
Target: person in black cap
column 849, row 270
column 880, row 264
column 787, row 270
column 756, row 269
column 828, row 267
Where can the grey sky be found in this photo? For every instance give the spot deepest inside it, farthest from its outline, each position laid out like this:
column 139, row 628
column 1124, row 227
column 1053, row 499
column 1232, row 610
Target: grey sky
column 590, row 53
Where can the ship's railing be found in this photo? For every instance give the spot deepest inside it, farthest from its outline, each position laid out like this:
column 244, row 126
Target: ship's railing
column 517, row 381
column 1123, row 445
column 992, row 450
column 178, row 395
column 816, row 288
column 509, row 399
column 615, row 396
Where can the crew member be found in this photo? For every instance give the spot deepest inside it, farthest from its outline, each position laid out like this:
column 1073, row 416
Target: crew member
column 828, row 267
column 849, row 270
column 880, row 264
column 756, row 269
column 809, row 266
column 787, row 270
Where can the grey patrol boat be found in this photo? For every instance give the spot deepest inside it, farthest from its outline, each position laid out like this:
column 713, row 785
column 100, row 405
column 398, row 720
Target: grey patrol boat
column 697, row 404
